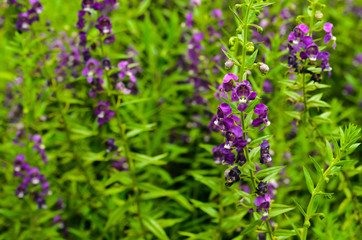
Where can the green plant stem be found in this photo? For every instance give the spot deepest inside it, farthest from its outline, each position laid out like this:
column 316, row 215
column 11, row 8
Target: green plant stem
column 305, row 113
column 311, row 201
column 128, row 156
column 221, row 209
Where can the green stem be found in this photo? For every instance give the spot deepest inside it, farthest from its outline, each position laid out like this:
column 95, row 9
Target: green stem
column 221, row 210
column 311, row 202
column 305, row 113
column 129, row 158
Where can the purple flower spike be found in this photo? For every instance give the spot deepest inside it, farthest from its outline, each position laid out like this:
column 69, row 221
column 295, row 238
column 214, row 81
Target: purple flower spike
column 103, row 113
column 91, row 69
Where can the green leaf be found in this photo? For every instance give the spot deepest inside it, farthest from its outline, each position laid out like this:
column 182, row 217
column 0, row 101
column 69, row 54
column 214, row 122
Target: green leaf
column 250, row 61
column 253, row 153
column 268, row 171
column 299, row 207
column 277, row 211
column 251, row 227
column 207, row 147
column 329, row 151
column 308, row 180
column 316, row 165
column 262, row 5
column 284, row 232
column 260, row 140
column 230, row 56
column 144, row 160
column 208, row 208
column 154, row 227
column 342, row 163
column 294, row 227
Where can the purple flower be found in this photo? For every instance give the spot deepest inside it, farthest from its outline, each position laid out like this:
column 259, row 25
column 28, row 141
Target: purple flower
column 216, row 13
column 106, row 64
column 19, row 160
column 87, row 5
column 121, row 164
column 110, row 145
column 267, row 86
column 104, row 25
column 223, row 110
column 103, row 113
column 125, row 70
column 34, row 176
column 328, row 29
column 91, row 68
column 261, row 110
column 228, row 81
column 37, row 7
column 232, row 176
column 189, row 20
column 81, row 21
column 108, row 40
column 264, row 152
column 262, row 188
column 195, row 3
column 21, row 190
column 23, row 22
column 83, row 39
column 96, row 86
column 263, row 203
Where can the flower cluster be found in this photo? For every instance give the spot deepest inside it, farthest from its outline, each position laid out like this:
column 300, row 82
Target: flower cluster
column 103, row 24
column 32, row 182
column 302, row 48
column 231, row 151
column 95, row 70
column 36, row 139
column 25, row 19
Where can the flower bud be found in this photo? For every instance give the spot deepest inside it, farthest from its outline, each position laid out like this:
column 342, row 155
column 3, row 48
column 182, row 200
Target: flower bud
column 250, row 47
column 229, row 64
column 318, row 15
column 232, row 41
column 264, row 69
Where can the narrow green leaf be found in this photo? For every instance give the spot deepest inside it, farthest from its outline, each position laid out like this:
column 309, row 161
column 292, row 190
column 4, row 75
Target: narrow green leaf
column 308, row 180
column 251, row 227
column 268, row 171
column 299, row 207
column 154, row 227
column 250, row 61
column 329, row 151
column 316, row 165
column 294, row 227
column 277, row 211
column 260, row 140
